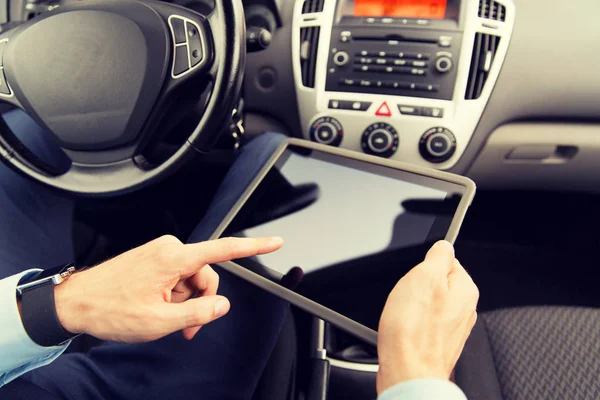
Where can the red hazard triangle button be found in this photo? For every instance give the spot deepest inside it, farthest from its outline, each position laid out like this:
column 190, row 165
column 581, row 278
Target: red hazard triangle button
column 384, row 110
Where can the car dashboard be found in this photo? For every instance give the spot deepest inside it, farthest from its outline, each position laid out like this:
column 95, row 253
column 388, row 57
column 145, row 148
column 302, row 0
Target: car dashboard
column 495, row 90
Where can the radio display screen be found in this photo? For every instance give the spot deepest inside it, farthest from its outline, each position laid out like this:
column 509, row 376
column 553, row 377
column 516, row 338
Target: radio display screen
column 428, row 9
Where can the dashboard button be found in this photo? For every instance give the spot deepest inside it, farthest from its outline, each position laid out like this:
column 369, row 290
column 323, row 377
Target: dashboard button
column 365, row 60
column 437, row 145
column 427, row 87
column 341, row 58
column 334, row 104
column 325, row 133
column 422, row 56
column 434, row 112
column 327, row 130
column 180, row 61
column 445, row 41
column 419, row 64
column 349, row 105
column 380, row 139
column 365, row 83
column 384, row 110
column 178, row 29
column 443, row 64
column 363, row 68
column 409, row 110
column 400, row 62
column 348, row 82
column 364, row 105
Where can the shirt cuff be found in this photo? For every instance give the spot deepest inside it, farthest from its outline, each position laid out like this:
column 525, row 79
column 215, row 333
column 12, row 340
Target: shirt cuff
column 424, row 389
column 19, row 353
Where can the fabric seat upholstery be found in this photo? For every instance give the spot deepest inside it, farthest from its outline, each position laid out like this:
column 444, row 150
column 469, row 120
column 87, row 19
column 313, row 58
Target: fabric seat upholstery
column 533, row 353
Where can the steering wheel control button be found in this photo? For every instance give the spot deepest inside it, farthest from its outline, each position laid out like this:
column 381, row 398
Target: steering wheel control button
column 327, row 130
column 178, row 29
column 384, row 110
column 380, row 139
column 189, row 50
column 181, row 61
column 433, row 112
column 437, row 145
column 341, row 58
column 443, row 64
column 196, row 51
column 409, row 110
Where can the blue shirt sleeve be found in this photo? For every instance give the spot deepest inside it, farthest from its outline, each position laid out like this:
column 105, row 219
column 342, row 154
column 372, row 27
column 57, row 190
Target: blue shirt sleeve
column 424, row 389
column 18, row 353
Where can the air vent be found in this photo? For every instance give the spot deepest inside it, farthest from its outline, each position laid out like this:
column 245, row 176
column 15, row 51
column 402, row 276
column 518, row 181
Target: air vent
column 312, row 6
column 484, row 52
column 490, row 9
column 309, row 45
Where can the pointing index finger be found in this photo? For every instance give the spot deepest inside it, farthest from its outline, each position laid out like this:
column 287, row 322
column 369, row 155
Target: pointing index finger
column 214, row 251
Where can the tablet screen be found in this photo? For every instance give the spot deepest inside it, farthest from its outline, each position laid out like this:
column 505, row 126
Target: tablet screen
column 351, row 228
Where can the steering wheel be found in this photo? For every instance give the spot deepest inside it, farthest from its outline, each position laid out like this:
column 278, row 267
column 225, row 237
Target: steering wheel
column 99, row 75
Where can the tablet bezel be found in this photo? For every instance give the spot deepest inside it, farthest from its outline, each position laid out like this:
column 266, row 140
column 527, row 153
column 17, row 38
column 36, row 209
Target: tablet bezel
column 304, row 303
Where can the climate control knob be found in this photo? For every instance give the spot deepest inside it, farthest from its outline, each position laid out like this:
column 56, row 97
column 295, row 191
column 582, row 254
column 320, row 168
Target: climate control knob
column 327, row 130
column 380, row 139
column 437, row 145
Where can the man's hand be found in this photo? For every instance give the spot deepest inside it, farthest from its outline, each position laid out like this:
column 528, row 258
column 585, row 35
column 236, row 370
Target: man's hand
column 150, row 292
column 426, row 320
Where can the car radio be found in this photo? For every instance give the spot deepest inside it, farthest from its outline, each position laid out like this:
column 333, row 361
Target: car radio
column 392, row 55
column 401, row 79
column 414, row 67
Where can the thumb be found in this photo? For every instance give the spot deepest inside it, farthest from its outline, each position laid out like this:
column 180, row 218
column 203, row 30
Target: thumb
column 440, row 258
column 196, row 312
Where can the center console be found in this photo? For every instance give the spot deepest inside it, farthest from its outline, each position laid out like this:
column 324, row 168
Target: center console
column 402, row 79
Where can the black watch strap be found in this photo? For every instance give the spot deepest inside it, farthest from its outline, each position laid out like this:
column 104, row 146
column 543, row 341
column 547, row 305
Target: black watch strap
column 38, row 313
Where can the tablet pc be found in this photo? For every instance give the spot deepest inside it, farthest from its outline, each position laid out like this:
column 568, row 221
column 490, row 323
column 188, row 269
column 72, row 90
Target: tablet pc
column 350, row 222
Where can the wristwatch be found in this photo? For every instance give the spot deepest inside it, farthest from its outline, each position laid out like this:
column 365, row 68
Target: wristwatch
column 38, row 308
